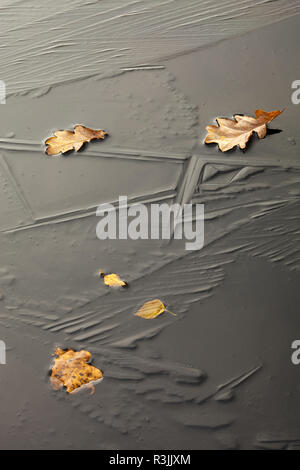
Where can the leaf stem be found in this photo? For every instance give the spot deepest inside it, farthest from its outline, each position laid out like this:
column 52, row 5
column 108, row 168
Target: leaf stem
column 172, row 313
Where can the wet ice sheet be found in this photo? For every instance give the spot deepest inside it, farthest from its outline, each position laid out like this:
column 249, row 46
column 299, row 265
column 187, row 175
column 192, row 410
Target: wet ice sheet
column 213, row 376
column 59, row 42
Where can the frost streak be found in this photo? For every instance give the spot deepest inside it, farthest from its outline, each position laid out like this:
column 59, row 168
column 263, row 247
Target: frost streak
column 75, row 39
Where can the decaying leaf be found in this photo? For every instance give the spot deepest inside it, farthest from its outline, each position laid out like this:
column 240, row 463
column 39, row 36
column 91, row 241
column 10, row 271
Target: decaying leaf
column 63, row 141
column 230, row 133
column 152, row 309
column 71, row 370
column 112, row 280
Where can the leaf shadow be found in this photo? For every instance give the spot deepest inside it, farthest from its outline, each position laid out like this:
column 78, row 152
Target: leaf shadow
column 273, row 131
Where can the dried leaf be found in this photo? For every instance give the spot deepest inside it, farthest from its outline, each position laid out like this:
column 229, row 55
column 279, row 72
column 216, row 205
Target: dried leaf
column 71, row 369
column 68, row 140
column 230, row 133
column 152, row 309
column 112, row 280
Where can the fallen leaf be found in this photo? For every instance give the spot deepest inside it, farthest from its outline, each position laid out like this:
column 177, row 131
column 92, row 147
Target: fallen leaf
column 112, row 280
column 71, row 370
column 63, row 141
column 230, row 133
column 152, row 309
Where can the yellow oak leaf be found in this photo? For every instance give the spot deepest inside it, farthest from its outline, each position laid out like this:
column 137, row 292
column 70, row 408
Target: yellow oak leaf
column 152, row 309
column 230, row 133
column 63, row 141
column 72, row 371
column 112, row 280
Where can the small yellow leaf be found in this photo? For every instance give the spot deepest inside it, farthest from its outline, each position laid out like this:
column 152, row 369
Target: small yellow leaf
column 112, row 280
column 63, row 141
column 71, row 369
column 152, row 309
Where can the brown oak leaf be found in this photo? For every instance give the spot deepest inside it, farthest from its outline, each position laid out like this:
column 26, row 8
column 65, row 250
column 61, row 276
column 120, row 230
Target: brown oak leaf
column 63, row 141
column 230, row 133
